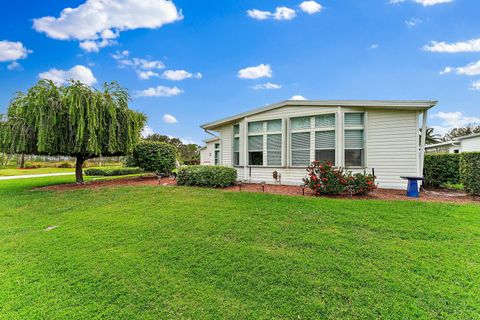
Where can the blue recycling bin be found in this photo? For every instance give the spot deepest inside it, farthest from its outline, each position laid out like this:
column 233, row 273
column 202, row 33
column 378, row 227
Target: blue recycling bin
column 412, row 187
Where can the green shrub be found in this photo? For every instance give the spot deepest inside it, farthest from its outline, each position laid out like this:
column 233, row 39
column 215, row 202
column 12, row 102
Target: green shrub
column 361, row 184
column 155, row 157
column 65, row 165
column 470, row 172
column 206, row 176
column 441, row 169
column 323, row 178
column 107, row 172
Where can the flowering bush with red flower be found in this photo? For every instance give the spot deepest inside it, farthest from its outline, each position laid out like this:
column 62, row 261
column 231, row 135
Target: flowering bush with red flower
column 323, row 178
column 361, row 184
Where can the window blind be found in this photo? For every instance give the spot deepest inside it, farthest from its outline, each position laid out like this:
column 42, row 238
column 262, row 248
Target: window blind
column 353, row 139
column 300, row 149
column 274, row 149
column 325, row 140
column 255, row 143
column 353, row 119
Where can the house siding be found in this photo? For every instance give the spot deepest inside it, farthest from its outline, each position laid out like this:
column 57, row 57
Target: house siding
column 391, row 145
column 470, row 144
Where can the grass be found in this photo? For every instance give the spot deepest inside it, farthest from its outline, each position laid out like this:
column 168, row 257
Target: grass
column 190, row 253
column 22, row 172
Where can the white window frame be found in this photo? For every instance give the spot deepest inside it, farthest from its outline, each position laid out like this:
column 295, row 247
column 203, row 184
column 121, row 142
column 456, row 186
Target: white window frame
column 312, row 129
column 219, row 153
column 363, row 128
column 264, row 133
column 235, row 136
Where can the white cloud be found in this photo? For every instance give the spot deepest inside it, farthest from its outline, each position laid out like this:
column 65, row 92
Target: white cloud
column 311, row 7
column 14, row 65
column 260, row 71
column 124, row 60
column 79, row 72
column 168, row 118
column 374, row 46
column 475, row 85
column 471, row 69
column 145, row 75
column 424, row 3
column 11, row 51
column 266, row 86
column 146, row 131
column 259, row 14
column 451, row 120
column 188, row 140
column 413, row 22
column 281, row 13
column 160, row 91
column 297, row 97
column 178, row 75
column 97, row 22
column 462, row 46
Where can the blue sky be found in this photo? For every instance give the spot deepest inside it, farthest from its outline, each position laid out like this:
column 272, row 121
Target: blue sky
column 189, row 62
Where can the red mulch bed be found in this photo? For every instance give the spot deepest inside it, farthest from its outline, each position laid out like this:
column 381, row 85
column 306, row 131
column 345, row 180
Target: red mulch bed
column 133, row 181
column 380, row 194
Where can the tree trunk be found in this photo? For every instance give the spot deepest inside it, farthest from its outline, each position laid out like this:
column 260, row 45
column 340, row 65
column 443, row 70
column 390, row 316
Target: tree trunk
column 79, row 170
column 22, row 161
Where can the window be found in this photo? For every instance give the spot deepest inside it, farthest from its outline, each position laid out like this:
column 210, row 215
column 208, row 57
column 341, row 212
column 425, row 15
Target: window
column 217, row 154
column 255, row 150
column 268, row 134
column 300, row 149
column 321, row 128
column 274, row 149
column 354, row 140
column 325, row 146
column 236, row 145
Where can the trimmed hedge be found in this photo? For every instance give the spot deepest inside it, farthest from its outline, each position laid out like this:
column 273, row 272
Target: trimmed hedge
column 206, row 176
column 156, row 157
column 441, row 169
column 470, row 172
column 112, row 171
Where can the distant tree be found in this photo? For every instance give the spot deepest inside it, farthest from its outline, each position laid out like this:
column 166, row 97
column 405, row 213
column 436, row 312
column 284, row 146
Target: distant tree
column 188, row 153
column 462, row 131
column 74, row 120
column 431, row 138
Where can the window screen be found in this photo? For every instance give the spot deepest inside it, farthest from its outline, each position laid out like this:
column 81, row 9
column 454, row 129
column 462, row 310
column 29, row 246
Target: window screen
column 353, row 119
column 274, row 149
column 255, row 143
column 354, row 144
column 236, row 129
column 300, row 147
column 236, row 151
column 325, row 121
column 274, row 125
column 255, row 127
column 300, row 123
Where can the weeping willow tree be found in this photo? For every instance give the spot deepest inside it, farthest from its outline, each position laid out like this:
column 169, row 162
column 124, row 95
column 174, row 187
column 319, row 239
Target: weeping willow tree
column 74, row 120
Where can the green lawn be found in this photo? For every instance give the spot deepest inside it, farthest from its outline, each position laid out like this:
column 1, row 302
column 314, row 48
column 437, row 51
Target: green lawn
column 188, row 253
column 22, row 172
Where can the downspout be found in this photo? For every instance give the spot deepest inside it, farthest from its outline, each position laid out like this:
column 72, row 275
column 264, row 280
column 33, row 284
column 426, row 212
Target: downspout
column 422, row 144
column 206, row 130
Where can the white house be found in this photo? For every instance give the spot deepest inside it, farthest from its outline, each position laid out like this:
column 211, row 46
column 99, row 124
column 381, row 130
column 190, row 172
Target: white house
column 470, row 143
column 354, row 134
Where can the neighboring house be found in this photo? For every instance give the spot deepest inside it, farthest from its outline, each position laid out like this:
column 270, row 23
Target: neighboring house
column 357, row 135
column 210, row 153
column 470, row 143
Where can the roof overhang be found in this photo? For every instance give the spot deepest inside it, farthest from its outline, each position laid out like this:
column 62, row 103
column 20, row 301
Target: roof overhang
column 441, row 144
column 420, row 105
column 474, row 135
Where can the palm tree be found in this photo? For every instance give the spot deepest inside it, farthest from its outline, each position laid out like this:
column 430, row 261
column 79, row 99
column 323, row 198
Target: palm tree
column 430, row 138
